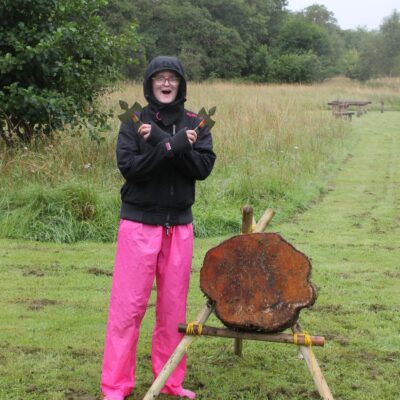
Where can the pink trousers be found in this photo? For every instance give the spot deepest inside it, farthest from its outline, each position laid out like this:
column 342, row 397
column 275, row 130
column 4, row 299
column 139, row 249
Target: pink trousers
column 145, row 252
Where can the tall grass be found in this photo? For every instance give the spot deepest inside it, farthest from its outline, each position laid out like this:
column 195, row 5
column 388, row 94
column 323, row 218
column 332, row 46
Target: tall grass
column 276, row 145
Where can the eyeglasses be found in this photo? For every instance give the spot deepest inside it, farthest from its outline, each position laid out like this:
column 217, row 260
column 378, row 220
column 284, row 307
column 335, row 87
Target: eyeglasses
column 161, row 80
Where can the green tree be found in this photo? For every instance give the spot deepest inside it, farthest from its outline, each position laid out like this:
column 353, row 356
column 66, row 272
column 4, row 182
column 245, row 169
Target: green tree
column 304, row 44
column 363, row 57
column 248, row 39
column 213, row 37
column 256, row 22
column 296, row 68
column 192, row 60
column 299, row 36
column 319, row 15
column 351, row 61
column 183, row 29
column 390, row 31
column 261, row 63
column 56, row 56
column 121, row 17
column 371, row 57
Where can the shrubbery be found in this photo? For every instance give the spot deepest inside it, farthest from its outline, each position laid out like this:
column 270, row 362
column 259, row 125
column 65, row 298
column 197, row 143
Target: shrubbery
column 55, row 58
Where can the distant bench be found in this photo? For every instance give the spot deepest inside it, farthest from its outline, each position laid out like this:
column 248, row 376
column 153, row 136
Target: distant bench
column 340, row 108
column 344, row 114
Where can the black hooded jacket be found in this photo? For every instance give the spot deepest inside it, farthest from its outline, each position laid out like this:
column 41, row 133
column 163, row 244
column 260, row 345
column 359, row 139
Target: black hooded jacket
column 160, row 172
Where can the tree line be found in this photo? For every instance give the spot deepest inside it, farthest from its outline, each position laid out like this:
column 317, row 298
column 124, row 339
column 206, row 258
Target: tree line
column 257, row 40
column 56, row 56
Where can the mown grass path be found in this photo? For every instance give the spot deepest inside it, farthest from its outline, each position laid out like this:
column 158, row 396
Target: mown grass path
column 353, row 237
column 53, row 300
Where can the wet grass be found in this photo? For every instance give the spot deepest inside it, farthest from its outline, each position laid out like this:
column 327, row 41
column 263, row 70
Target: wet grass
column 54, row 299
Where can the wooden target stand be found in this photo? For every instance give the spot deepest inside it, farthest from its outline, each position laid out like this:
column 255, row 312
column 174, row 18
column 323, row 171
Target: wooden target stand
column 198, row 328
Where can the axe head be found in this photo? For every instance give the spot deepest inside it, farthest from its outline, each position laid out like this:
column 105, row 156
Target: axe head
column 207, row 115
column 127, row 115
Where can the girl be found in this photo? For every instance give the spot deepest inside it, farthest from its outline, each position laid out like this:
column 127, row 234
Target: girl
column 160, row 160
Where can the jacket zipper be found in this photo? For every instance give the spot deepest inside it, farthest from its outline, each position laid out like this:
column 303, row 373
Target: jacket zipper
column 166, row 226
column 171, row 192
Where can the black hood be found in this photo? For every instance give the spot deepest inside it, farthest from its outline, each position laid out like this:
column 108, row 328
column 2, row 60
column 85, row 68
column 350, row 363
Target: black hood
column 163, row 63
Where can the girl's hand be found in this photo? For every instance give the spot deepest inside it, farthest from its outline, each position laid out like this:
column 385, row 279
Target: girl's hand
column 192, row 136
column 144, row 130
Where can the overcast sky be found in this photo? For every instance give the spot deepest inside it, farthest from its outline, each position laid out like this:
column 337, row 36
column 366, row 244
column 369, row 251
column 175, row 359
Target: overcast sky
column 353, row 13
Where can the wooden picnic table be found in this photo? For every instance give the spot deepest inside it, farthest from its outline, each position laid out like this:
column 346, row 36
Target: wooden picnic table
column 341, row 107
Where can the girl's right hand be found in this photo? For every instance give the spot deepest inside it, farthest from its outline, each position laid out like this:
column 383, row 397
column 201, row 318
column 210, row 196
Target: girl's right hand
column 144, row 130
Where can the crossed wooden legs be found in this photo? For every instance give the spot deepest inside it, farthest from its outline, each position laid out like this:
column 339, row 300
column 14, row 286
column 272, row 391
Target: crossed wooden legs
column 182, row 348
column 176, row 356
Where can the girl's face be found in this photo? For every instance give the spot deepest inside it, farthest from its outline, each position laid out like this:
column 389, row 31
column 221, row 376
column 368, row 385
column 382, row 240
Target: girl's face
column 165, row 85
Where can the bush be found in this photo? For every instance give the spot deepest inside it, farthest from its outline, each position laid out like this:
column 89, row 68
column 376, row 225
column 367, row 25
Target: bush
column 55, row 57
column 295, row 68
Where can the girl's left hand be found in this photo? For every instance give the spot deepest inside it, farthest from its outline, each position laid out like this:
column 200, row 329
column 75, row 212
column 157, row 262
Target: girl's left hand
column 192, row 136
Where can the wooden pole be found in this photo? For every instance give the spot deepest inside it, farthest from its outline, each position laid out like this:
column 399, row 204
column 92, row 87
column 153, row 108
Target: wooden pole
column 247, row 227
column 176, row 356
column 264, row 220
column 248, row 223
column 313, row 367
column 266, row 337
column 247, row 219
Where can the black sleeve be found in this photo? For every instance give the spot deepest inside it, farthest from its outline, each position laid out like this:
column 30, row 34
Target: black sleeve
column 133, row 164
column 198, row 162
column 179, row 142
column 157, row 135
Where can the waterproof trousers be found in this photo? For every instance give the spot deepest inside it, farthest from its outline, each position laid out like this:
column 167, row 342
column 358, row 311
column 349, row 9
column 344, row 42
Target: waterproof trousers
column 145, row 252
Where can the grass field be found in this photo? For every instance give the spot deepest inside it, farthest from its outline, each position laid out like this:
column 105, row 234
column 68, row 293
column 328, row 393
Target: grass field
column 68, row 190
column 54, row 298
